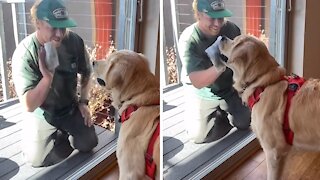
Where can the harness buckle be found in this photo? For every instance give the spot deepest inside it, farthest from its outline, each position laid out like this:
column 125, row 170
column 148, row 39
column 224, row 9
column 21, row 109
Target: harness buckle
column 149, row 158
column 293, row 87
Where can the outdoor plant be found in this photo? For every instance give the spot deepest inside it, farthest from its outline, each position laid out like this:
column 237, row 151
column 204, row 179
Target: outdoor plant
column 172, row 65
column 12, row 92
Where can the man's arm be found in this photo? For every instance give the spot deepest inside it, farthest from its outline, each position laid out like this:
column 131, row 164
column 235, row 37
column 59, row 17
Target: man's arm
column 84, row 86
column 33, row 98
column 84, row 94
column 85, row 79
column 203, row 78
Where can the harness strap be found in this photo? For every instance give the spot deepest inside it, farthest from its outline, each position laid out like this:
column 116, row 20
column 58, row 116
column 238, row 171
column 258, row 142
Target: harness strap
column 295, row 83
column 150, row 164
column 255, row 97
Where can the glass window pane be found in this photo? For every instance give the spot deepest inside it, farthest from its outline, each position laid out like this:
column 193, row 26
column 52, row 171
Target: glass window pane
column 264, row 19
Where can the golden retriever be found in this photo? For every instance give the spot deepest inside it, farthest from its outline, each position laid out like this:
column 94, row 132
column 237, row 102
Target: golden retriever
column 126, row 74
column 254, row 67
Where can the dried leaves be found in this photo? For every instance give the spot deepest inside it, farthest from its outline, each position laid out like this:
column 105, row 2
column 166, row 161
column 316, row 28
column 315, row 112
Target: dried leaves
column 171, row 65
column 100, row 99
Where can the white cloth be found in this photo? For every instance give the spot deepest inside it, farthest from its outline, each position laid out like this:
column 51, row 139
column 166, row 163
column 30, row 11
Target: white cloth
column 52, row 60
column 213, row 53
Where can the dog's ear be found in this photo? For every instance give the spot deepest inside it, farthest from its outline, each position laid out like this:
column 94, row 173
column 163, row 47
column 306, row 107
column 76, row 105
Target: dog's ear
column 111, row 50
column 260, row 61
column 145, row 59
column 243, row 60
column 240, row 55
column 115, row 74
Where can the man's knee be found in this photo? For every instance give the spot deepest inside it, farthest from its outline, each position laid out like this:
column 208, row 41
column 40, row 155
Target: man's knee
column 242, row 125
column 242, row 122
column 34, row 153
column 240, row 114
column 85, row 143
column 36, row 159
column 33, row 160
column 196, row 130
column 200, row 138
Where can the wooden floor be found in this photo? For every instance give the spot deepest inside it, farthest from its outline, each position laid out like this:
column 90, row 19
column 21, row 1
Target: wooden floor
column 183, row 159
column 12, row 165
column 299, row 165
column 112, row 174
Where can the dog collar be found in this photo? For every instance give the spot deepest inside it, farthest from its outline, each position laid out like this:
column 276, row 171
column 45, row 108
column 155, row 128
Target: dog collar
column 130, row 109
column 127, row 113
column 255, row 97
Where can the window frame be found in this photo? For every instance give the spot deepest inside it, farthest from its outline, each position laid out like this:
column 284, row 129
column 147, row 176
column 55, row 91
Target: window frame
column 277, row 46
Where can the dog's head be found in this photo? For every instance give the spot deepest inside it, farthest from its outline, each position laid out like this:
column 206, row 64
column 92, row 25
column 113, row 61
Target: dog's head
column 128, row 77
column 248, row 57
column 120, row 68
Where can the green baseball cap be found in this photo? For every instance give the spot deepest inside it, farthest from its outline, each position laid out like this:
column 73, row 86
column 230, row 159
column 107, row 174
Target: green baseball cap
column 55, row 13
column 213, row 8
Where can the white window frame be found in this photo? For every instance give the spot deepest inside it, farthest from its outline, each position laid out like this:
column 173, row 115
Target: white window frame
column 127, row 23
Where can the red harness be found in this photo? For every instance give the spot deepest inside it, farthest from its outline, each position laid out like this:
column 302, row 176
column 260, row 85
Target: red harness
column 150, row 164
column 294, row 84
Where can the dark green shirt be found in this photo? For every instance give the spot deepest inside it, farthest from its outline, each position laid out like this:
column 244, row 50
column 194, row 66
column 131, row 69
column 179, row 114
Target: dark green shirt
column 192, row 46
column 63, row 91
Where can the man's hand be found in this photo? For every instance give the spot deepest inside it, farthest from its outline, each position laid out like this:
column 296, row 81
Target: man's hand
column 213, row 53
column 85, row 114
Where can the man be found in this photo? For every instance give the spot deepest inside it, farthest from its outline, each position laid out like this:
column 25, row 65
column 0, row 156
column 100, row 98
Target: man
column 55, row 120
column 211, row 101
